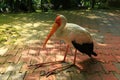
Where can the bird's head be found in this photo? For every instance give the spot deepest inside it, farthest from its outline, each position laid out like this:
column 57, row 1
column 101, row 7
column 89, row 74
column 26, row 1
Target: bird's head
column 57, row 23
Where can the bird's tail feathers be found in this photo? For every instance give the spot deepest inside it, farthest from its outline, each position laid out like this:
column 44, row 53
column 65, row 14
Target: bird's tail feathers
column 93, row 53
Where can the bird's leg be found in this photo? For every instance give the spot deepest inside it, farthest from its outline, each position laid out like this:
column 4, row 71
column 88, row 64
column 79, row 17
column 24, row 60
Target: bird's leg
column 48, row 63
column 75, row 56
column 53, row 71
column 43, row 64
column 66, row 53
column 74, row 63
column 57, row 70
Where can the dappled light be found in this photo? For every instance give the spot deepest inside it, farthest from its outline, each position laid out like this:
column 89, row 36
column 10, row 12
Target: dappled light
column 28, row 27
column 22, row 36
column 34, row 53
column 3, row 50
column 32, row 26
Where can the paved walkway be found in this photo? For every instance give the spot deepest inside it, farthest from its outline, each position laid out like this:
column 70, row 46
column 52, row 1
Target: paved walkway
column 15, row 59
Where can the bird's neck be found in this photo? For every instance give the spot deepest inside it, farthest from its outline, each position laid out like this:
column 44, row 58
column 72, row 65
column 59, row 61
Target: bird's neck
column 63, row 24
column 59, row 32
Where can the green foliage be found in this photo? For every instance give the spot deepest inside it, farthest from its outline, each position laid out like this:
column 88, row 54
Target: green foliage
column 17, row 5
column 45, row 5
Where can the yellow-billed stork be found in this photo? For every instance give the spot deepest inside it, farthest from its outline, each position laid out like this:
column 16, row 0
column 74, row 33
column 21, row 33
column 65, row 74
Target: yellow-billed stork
column 74, row 35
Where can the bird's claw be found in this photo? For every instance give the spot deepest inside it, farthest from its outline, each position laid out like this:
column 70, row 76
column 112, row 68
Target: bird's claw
column 35, row 65
column 51, row 72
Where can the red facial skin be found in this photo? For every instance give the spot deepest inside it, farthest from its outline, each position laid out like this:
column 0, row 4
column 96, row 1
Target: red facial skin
column 58, row 20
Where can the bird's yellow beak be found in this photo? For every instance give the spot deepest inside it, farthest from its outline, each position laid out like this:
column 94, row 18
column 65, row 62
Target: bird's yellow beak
column 54, row 28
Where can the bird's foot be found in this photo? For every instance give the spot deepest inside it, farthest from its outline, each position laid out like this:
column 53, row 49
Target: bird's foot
column 54, row 71
column 44, row 64
column 58, row 69
column 36, row 65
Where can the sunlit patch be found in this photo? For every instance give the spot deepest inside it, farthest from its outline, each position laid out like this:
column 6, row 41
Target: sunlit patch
column 33, row 30
column 102, row 44
column 52, row 77
column 59, row 57
column 3, row 50
column 92, row 16
column 37, row 24
column 27, row 25
column 49, row 46
column 111, row 14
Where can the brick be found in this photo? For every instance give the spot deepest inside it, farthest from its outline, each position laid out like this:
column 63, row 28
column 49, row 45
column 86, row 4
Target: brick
column 3, row 51
column 52, row 67
column 52, row 77
column 5, row 76
column 50, row 45
column 117, row 75
column 116, row 52
column 25, row 51
column 23, row 68
column 11, row 52
column 44, row 52
column 3, row 59
column 64, row 76
column 35, row 45
column 117, row 66
column 53, row 58
column 90, row 67
column 14, row 59
column 106, row 52
column 41, row 70
column 3, row 68
column 75, row 76
column 14, row 67
column 36, row 59
column 55, row 51
column 25, row 59
column 94, row 76
column 81, row 58
column 100, row 58
column 32, row 76
column 95, row 68
column 33, row 51
column 109, row 67
column 17, row 76
column 109, row 58
column 109, row 76
column 117, row 57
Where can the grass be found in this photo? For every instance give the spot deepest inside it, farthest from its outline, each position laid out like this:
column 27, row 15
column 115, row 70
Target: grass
column 30, row 27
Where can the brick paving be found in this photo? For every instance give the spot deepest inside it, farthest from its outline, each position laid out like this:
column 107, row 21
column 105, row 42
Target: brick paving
column 14, row 61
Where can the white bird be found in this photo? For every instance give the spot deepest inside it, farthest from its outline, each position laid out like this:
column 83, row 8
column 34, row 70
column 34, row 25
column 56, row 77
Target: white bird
column 74, row 35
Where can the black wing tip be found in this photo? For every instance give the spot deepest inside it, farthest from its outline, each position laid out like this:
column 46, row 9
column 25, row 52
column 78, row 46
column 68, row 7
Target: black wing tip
column 86, row 48
column 94, row 54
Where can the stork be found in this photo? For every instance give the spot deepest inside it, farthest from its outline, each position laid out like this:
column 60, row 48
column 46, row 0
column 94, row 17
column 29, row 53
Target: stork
column 74, row 35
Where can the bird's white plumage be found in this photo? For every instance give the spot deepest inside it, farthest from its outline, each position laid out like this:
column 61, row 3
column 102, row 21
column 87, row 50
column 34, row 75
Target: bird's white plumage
column 70, row 32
